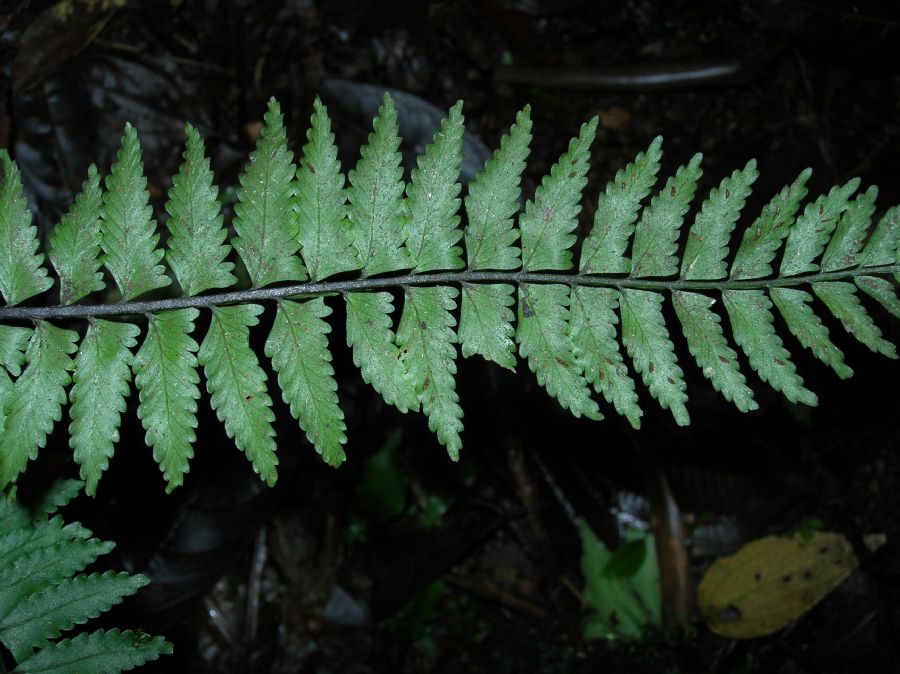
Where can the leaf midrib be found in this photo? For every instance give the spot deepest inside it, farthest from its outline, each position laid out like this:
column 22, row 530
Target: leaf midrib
column 322, row 288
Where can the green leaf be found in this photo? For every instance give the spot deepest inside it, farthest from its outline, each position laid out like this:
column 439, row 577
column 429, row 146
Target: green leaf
column 74, row 601
column 40, row 596
column 35, row 403
column 45, row 567
column 647, row 340
column 370, row 336
column 22, row 273
column 102, row 377
column 624, row 603
column 28, row 534
column 656, row 235
column 812, row 231
column 264, row 218
column 197, row 250
column 165, row 373
column 493, row 200
column 110, row 652
column 128, row 230
column 13, row 342
column 718, row 361
column 485, row 323
column 842, row 301
column 237, row 386
column 426, row 339
column 75, row 243
column 751, row 322
column 548, row 223
column 762, row 239
column 603, row 252
column 376, row 193
column 881, row 290
column 432, row 199
column 843, row 249
column 592, row 326
column 307, row 382
column 803, row 323
column 884, row 244
column 321, row 202
column 58, row 496
column 707, row 241
column 544, row 342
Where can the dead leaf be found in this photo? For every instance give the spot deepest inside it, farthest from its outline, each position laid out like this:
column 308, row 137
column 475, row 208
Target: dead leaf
column 771, row 582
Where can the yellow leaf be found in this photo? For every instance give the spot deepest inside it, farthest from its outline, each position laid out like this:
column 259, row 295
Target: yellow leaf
column 771, row 582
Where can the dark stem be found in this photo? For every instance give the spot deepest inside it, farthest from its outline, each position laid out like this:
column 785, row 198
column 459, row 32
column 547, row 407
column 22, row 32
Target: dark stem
column 442, row 278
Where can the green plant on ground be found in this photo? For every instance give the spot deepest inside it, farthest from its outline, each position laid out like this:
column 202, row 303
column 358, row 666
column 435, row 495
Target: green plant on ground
column 299, row 225
column 622, row 586
column 43, row 594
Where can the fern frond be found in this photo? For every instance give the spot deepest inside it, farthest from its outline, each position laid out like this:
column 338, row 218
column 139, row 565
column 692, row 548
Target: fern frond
column 485, row 323
column 375, row 353
column 57, row 496
column 165, row 373
column 43, row 567
column 308, row 382
column 73, row 601
column 807, row 327
column 810, row 234
column 41, row 597
column 13, row 342
column 432, row 199
column 647, row 340
column 603, row 252
column 884, row 244
column 237, row 385
column 592, row 326
column 427, row 345
column 196, row 248
column 751, row 319
column 264, row 217
column 551, row 217
column 844, row 248
column 128, row 231
column 880, row 290
column 707, row 241
column 405, row 241
column 101, row 383
column 35, row 402
column 321, row 202
column 656, row 235
column 110, row 651
column 841, row 300
column 716, row 360
column 75, row 243
column 25, row 536
column 22, row 274
column 546, row 345
column 493, row 200
column 375, row 194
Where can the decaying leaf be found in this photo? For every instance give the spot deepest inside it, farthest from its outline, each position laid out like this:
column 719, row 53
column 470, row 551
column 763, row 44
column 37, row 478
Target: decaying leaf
column 771, row 582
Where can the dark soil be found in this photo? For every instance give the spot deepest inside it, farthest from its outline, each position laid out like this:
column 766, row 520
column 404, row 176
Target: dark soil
column 475, row 566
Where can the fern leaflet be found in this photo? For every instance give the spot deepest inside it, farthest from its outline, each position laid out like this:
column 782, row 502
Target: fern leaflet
column 21, row 272
column 265, row 221
column 128, row 231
